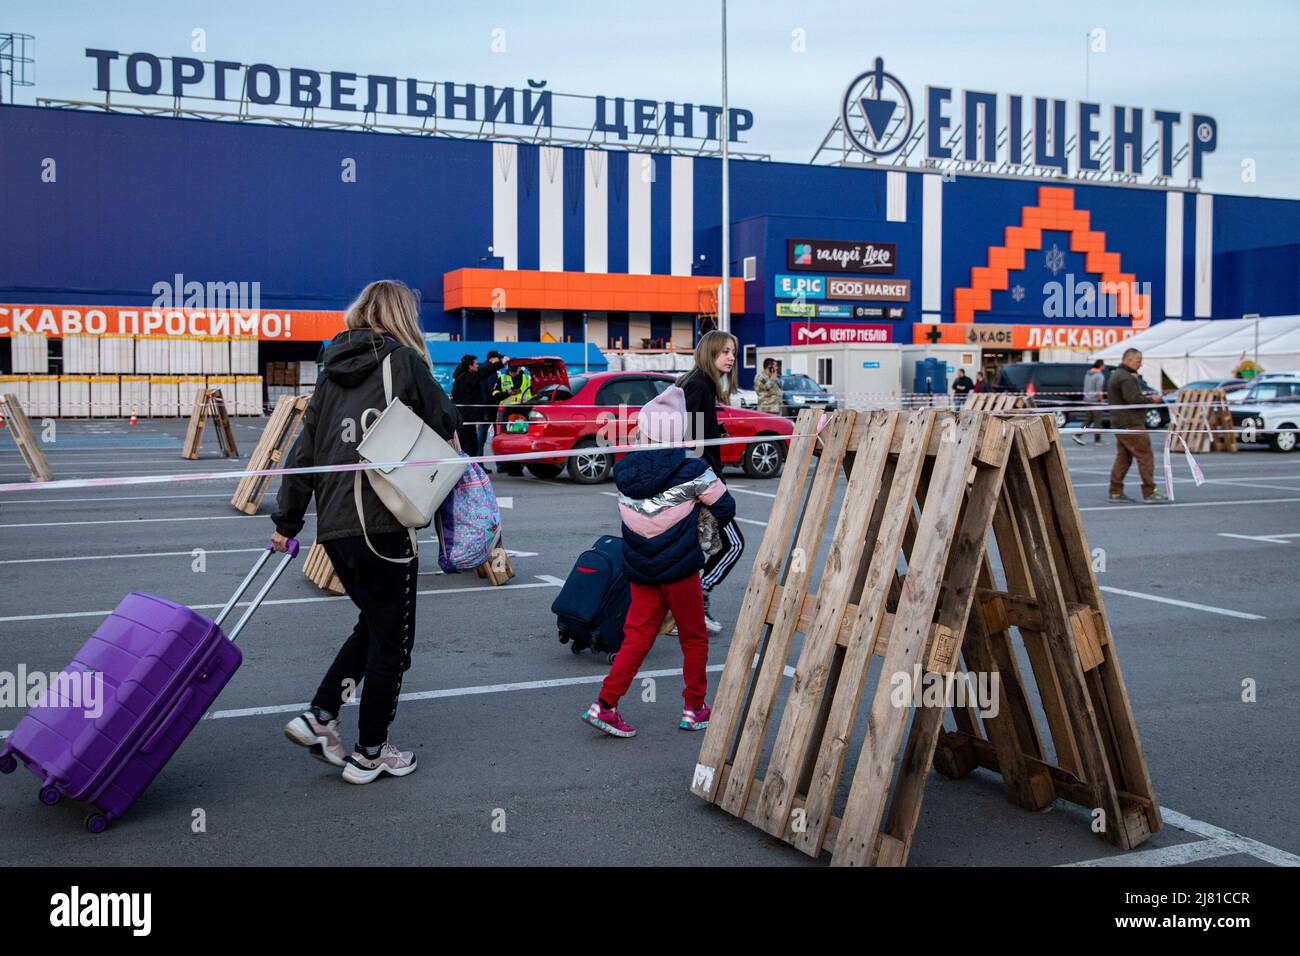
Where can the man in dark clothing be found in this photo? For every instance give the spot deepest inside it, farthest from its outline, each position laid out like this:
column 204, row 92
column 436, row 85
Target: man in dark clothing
column 486, row 413
column 962, row 386
column 1124, row 389
column 467, row 393
column 1094, row 393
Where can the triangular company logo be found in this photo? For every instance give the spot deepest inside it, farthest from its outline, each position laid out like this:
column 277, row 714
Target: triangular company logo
column 877, row 113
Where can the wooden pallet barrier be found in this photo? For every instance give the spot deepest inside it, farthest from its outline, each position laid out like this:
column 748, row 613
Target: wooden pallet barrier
column 21, row 429
column 932, row 492
column 996, row 402
column 277, row 438
column 1202, row 419
column 497, row 569
column 320, row 570
column 208, row 403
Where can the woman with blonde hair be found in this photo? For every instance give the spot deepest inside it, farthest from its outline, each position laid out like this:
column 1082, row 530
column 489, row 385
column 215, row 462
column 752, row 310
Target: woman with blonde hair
column 383, row 323
column 708, row 385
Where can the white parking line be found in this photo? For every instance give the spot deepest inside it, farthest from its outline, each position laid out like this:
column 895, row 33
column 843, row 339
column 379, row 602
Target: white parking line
column 1179, row 854
column 746, row 491
column 1190, row 504
column 1271, row 538
column 544, row 581
column 144, row 554
column 69, row 524
column 1226, row 612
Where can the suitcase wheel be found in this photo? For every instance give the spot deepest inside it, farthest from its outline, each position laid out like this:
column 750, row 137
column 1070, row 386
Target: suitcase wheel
column 96, row 822
column 575, row 647
column 610, row 656
column 8, row 763
column 50, row 796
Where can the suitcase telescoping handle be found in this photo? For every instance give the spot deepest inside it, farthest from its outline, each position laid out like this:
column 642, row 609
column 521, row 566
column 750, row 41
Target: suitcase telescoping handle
column 263, row 592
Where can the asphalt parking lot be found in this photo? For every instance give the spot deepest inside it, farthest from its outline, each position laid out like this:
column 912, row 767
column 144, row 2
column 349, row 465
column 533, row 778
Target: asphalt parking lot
column 1201, row 594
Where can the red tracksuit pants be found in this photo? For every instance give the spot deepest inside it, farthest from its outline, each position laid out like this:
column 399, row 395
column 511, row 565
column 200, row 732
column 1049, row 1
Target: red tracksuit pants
column 650, row 604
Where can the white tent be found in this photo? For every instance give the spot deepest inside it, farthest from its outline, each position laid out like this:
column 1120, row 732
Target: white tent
column 1188, row 351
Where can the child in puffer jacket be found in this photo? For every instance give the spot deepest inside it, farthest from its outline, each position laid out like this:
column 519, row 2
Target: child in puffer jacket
column 660, row 494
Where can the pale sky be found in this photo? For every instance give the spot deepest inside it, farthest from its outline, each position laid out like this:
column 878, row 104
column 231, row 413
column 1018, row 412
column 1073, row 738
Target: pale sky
column 1238, row 62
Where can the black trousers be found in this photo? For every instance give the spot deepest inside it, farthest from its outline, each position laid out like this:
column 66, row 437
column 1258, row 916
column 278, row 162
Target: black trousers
column 378, row 652
column 719, row 565
column 468, row 434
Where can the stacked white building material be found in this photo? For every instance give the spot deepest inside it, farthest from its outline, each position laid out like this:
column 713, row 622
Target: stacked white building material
column 31, row 353
column 306, row 373
column 243, row 356
column 105, row 396
column 15, row 385
column 152, row 355
column 216, row 355
column 74, row 396
column 190, row 386
column 134, row 395
column 186, row 354
column 164, row 396
column 248, row 399
column 116, row 354
column 42, row 395
column 81, row 354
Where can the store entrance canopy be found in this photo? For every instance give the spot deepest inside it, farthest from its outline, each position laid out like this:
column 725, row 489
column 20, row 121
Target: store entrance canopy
column 584, row 291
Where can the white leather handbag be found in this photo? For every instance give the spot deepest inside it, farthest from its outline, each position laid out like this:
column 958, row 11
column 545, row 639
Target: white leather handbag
column 411, row 492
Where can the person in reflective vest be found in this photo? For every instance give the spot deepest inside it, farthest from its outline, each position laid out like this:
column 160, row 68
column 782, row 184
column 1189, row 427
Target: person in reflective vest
column 514, row 387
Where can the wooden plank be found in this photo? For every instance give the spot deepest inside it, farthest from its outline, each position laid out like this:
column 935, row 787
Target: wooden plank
column 828, row 613
column 194, row 431
column 965, row 560
column 860, row 823
column 225, row 433
column 277, row 438
column 1029, row 511
column 769, row 565
column 1133, row 771
column 319, row 570
column 866, row 623
column 20, row 428
column 767, row 682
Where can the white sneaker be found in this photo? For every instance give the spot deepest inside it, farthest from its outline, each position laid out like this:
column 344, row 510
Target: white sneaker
column 712, row 626
column 363, row 769
column 321, row 739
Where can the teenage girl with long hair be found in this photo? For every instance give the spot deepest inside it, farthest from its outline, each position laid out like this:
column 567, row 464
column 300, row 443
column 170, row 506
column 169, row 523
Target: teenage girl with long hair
column 379, row 575
column 708, row 385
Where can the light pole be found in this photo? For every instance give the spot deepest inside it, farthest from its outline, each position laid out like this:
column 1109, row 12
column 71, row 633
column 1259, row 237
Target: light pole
column 724, row 291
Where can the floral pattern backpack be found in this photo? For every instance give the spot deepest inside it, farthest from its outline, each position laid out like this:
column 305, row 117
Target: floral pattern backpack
column 468, row 522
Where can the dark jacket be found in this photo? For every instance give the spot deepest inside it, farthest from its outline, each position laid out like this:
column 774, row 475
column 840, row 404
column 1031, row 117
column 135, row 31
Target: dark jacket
column 1123, row 388
column 467, row 392
column 350, row 383
column 660, row 494
column 702, row 407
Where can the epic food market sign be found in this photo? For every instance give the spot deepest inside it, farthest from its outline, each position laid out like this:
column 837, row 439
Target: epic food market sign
column 878, row 117
column 262, row 84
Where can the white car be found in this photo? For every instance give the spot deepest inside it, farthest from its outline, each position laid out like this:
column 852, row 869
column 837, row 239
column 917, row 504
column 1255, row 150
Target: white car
column 745, row 398
column 1270, row 423
column 1274, row 387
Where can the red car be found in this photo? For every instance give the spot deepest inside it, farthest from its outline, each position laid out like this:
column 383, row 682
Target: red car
column 562, row 417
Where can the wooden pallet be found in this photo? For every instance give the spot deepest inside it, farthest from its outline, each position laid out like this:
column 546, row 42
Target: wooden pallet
column 21, row 429
column 277, row 438
column 320, row 570
column 208, row 403
column 996, row 402
column 497, row 570
column 1201, row 418
column 973, row 475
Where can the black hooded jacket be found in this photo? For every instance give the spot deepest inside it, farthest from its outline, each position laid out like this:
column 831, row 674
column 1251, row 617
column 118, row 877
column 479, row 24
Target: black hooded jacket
column 350, row 383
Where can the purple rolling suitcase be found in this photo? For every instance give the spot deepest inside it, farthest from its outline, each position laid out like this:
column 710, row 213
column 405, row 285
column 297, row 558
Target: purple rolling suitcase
column 163, row 665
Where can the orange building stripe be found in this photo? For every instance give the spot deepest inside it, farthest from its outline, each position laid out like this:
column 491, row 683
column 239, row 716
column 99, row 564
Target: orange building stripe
column 578, row 291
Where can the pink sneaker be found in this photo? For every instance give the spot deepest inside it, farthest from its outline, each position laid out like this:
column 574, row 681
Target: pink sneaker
column 697, row 719
column 610, row 721
column 363, row 769
column 321, row 739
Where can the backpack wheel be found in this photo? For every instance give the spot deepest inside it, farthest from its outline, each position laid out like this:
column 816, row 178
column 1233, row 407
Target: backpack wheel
column 8, row 763
column 50, row 796
column 610, row 656
column 96, row 822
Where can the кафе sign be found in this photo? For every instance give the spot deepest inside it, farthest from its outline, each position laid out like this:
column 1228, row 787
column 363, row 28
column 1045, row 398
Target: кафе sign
column 832, row 255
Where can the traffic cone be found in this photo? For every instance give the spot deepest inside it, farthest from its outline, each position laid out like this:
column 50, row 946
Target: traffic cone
column 133, row 418
column 2, row 420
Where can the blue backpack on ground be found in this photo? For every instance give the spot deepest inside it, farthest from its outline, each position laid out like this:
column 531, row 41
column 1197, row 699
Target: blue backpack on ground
column 592, row 606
